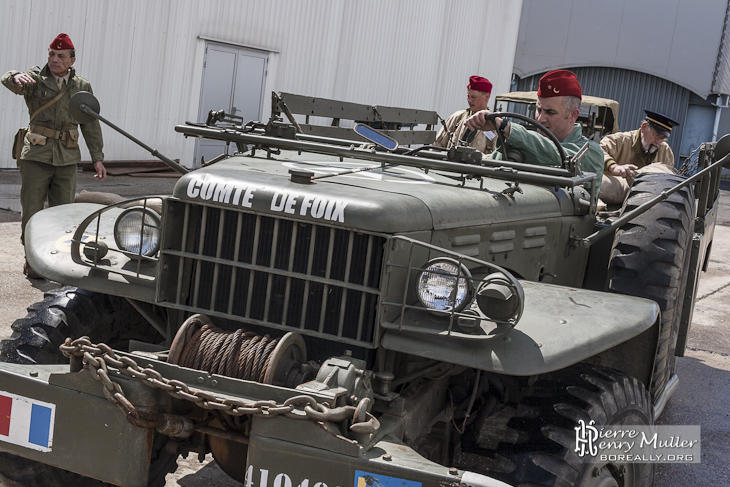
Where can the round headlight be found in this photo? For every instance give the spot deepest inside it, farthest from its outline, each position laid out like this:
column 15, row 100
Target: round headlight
column 444, row 285
column 496, row 298
column 138, row 231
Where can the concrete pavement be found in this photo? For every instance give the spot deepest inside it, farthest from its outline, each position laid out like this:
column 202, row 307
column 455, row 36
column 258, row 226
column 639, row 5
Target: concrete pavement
column 702, row 396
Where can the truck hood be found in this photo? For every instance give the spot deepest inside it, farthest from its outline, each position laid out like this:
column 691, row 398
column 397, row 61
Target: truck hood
column 389, row 200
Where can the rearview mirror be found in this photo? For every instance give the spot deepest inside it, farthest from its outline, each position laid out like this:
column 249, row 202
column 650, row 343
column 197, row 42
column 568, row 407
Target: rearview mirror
column 376, row 137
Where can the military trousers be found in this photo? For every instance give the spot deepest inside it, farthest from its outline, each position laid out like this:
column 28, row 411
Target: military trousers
column 40, row 181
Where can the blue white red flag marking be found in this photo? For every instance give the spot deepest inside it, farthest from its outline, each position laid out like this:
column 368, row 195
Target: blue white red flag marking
column 26, row 422
column 365, row 479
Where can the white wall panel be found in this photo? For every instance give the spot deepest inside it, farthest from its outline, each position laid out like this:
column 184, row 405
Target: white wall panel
column 144, row 57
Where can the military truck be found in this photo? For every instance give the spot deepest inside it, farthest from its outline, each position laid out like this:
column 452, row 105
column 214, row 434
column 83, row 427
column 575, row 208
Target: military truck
column 340, row 309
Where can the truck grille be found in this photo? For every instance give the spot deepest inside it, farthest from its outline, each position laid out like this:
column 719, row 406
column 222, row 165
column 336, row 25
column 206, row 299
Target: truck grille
column 317, row 280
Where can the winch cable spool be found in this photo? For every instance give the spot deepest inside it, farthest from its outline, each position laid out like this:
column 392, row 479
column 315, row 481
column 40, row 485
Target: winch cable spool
column 240, row 354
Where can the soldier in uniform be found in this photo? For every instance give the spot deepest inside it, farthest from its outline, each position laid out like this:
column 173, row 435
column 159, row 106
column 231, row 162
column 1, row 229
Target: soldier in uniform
column 627, row 154
column 558, row 106
column 477, row 96
column 51, row 150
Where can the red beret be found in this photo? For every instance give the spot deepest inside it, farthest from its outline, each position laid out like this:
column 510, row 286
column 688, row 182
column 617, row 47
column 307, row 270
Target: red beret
column 559, row 82
column 480, row 84
column 61, row 43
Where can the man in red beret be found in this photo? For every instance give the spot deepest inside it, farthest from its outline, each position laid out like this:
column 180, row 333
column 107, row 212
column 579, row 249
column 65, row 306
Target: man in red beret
column 558, row 107
column 50, row 151
column 477, row 96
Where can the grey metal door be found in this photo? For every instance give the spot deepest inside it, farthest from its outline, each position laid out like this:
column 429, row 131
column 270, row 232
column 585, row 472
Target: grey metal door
column 233, row 80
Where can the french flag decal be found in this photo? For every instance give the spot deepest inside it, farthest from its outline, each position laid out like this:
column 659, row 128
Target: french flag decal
column 26, row 422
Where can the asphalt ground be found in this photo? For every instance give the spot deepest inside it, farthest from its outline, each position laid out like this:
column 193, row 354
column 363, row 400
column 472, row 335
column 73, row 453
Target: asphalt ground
column 702, row 397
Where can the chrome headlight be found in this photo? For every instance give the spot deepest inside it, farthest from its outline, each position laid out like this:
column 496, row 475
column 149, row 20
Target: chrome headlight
column 137, row 230
column 444, row 285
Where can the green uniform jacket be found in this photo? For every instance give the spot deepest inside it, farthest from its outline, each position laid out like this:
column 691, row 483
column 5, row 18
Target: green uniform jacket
column 55, row 117
column 540, row 150
column 625, row 148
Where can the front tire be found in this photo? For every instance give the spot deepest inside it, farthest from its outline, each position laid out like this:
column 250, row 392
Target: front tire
column 537, row 447
column 650, row 259
column 72, row 312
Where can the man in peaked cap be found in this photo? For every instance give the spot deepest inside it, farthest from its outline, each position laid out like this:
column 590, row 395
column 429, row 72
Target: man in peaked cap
column 477, row 96
column 558, row 107
column 51, row 150
column 627, row 154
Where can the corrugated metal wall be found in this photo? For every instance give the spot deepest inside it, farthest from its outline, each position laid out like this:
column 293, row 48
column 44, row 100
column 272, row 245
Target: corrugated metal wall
column 144, row 58
column 721, row 76
column 635, row 92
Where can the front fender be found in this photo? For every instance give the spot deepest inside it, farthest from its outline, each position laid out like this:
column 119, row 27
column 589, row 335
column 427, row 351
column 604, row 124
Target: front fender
column 48, row 241
column 560, row 326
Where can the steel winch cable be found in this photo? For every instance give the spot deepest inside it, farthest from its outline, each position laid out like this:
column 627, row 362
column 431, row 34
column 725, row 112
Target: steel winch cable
column 239, row 354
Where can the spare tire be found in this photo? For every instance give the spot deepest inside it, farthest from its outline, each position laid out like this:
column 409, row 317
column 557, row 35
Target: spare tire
column 650, row 259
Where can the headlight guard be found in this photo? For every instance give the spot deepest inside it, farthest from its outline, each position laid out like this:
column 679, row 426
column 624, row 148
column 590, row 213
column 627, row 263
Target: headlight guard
column 137, row 231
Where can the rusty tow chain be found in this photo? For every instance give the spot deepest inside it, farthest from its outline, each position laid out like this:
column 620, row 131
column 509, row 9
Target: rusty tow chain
column 97, row 358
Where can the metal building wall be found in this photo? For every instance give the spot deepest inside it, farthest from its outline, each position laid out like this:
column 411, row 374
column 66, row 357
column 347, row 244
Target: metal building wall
column 721, row 76
column 144, row 58
column 684, row 41
column 635, row 92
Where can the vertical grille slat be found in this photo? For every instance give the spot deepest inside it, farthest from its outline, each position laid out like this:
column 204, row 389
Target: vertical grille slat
column 251, row 274
column 327, row 273
column 310, row 260
column 199, row 270
column 301, row 276
column 287, row 291
column 234, row 270
column 216, row 267
column 272, row 261
column 181, row 263
column 365, row 280
column 343, row 302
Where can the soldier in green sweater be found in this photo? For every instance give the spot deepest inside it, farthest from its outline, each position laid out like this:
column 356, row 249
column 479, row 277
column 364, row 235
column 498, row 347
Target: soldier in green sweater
column 558, row 107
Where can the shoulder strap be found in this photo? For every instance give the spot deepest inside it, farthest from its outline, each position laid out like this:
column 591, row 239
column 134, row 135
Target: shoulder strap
column 55, row 99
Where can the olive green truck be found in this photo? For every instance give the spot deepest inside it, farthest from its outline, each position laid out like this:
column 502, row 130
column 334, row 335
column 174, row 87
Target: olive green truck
column 353, row 307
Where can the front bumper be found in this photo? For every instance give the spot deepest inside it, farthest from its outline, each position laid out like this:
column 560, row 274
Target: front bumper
column 275, row 461
column 89, row 435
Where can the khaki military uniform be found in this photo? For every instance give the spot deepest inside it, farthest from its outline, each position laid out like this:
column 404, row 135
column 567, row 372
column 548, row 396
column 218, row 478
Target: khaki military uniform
column 625, row 148
column 455, row 129
column 51, row 150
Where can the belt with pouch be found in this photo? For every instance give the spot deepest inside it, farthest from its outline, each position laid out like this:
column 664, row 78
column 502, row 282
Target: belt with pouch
column 46, row 132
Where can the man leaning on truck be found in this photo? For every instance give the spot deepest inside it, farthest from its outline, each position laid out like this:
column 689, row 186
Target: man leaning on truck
column 50, row 151
column 627, row 154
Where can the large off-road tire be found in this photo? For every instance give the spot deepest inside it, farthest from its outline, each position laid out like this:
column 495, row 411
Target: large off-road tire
column 650, row 259
column 73, row 312
column 537, row 443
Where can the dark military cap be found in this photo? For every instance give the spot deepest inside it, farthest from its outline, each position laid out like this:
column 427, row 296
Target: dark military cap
column 660, row 123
